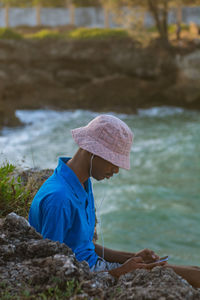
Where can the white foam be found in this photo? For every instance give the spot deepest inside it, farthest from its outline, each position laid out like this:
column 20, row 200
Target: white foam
column 160, row 111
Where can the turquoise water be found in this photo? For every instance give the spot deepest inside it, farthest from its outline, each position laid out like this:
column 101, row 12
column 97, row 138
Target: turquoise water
column 157, row 203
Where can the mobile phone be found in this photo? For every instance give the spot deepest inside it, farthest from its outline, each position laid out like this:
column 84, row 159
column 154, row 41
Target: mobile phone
column 165, row 258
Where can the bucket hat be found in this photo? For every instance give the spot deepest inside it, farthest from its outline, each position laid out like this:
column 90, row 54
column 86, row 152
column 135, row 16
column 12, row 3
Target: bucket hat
column 107, row 137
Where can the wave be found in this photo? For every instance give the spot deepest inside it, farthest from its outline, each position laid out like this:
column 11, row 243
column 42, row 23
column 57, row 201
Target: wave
column 46, row 115
column 163, row 111
column 29, row 117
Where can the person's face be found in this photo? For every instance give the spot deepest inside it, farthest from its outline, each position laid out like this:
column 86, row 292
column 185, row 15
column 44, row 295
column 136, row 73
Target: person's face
column 102, row 168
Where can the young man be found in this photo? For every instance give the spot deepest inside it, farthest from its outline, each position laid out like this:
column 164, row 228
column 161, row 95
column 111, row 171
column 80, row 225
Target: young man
column 63, row 209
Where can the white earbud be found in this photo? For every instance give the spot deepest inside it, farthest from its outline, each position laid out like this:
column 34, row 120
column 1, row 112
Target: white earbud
column 91, row 164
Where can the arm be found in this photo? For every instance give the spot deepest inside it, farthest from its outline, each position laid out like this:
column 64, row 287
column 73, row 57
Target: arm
column 131, row 265
column 190, row 273
column 121, row 256
column 113, row 255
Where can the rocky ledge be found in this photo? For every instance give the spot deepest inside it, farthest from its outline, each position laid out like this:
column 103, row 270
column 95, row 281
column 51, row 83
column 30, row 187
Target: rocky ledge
column 104, row 75
column 35, row 268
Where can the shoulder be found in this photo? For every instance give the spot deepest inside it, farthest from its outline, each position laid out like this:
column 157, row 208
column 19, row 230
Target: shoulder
column 53, row 194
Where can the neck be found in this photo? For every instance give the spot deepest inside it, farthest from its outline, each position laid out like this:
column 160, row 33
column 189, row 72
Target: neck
column 80, row 164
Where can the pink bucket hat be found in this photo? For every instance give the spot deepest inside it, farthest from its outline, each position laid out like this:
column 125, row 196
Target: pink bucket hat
column 108, row 137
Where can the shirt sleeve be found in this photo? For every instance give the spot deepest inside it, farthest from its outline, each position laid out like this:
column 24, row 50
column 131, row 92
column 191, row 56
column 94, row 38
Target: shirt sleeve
column 56, row 223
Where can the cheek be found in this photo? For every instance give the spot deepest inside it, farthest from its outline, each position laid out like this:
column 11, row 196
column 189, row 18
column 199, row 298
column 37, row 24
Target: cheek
column 100, row 171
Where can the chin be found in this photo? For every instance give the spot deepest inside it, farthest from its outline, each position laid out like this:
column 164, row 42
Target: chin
column 100, row 178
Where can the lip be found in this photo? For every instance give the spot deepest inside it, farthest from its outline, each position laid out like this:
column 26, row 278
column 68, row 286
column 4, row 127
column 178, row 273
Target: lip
column 108, row 176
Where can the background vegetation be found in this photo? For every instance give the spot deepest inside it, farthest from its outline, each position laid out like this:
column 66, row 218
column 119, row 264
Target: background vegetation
column 13, row 195
column 133, row 16
column 18, row 188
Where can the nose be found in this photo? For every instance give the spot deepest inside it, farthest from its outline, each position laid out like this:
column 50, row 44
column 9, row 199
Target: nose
column 116, row 169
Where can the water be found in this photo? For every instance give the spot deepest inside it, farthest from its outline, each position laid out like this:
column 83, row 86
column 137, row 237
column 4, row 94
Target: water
column 157, row 203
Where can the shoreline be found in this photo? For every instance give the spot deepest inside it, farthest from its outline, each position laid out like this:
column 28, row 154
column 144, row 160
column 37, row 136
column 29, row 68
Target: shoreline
column 18, row 123
column 97, row 75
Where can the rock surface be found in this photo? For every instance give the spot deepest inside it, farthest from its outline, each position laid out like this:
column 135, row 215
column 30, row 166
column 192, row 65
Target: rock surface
column 34, row 268
column 117, row 75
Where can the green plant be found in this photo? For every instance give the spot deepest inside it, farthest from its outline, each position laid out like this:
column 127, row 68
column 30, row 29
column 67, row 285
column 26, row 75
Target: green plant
column 13, row 196
column 72, row 288
column 5, row 293
column 60, row 291
column 96, row 33
column 44, row 34
column 7, row 33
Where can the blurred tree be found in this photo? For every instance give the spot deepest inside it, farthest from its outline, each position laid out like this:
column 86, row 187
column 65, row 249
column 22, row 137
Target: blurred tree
column 107, row 6
column 178, row 19
column 86, row 3
column 191, row 2
column 159, row 9
column 10, row 3
column 45, row 3
column 71, row 6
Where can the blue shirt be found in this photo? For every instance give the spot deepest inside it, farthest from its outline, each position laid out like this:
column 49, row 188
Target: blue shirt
column 62, row 210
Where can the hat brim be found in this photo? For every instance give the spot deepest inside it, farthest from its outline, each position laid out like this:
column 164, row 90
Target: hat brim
column 88, row 143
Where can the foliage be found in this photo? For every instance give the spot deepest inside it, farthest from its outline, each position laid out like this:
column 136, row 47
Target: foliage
column 79, row 33
column 171, row 28
column 25, row 3
column 7, row 33
column 49, row 3
column 159, row 10
column 190, row 2
column 44, row 34
column 57, row 291
column 86, row 3
column 96, row 33
column 17, row 3
column 13, row 196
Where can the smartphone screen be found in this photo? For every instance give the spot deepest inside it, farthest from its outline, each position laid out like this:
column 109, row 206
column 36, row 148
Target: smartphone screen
column 165, row 258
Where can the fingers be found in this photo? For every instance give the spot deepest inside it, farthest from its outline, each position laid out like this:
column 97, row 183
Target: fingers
column 148, row 255
column 131, row 265
column 154, row 255
column 138, row 259
column 153, row 265
column 135, row 260
column 151, row 254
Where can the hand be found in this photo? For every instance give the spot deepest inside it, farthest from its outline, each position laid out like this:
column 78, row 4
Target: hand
column 133, row 264
column 138, row 263
column 147, row 255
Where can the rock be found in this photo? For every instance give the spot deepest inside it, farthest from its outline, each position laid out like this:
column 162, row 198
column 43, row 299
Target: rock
column 32, row 179
column 35, row 266
column 26, row 258
column 160, row 283
column 189, row 66
column 103, row 75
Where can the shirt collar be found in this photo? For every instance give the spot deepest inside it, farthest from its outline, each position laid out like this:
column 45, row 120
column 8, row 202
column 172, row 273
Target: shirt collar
column 71, row 178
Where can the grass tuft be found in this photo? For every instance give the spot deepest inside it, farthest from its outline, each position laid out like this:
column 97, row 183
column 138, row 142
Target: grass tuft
column 97, row 33
column 44, row 34
column 13, row 196
column 7, row 34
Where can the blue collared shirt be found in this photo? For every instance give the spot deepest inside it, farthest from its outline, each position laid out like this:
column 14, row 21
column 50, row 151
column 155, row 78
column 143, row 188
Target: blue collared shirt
column 62, row 210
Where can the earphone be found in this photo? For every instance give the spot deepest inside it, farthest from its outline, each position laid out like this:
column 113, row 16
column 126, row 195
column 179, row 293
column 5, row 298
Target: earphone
column 91, row 159
column 98, row 208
